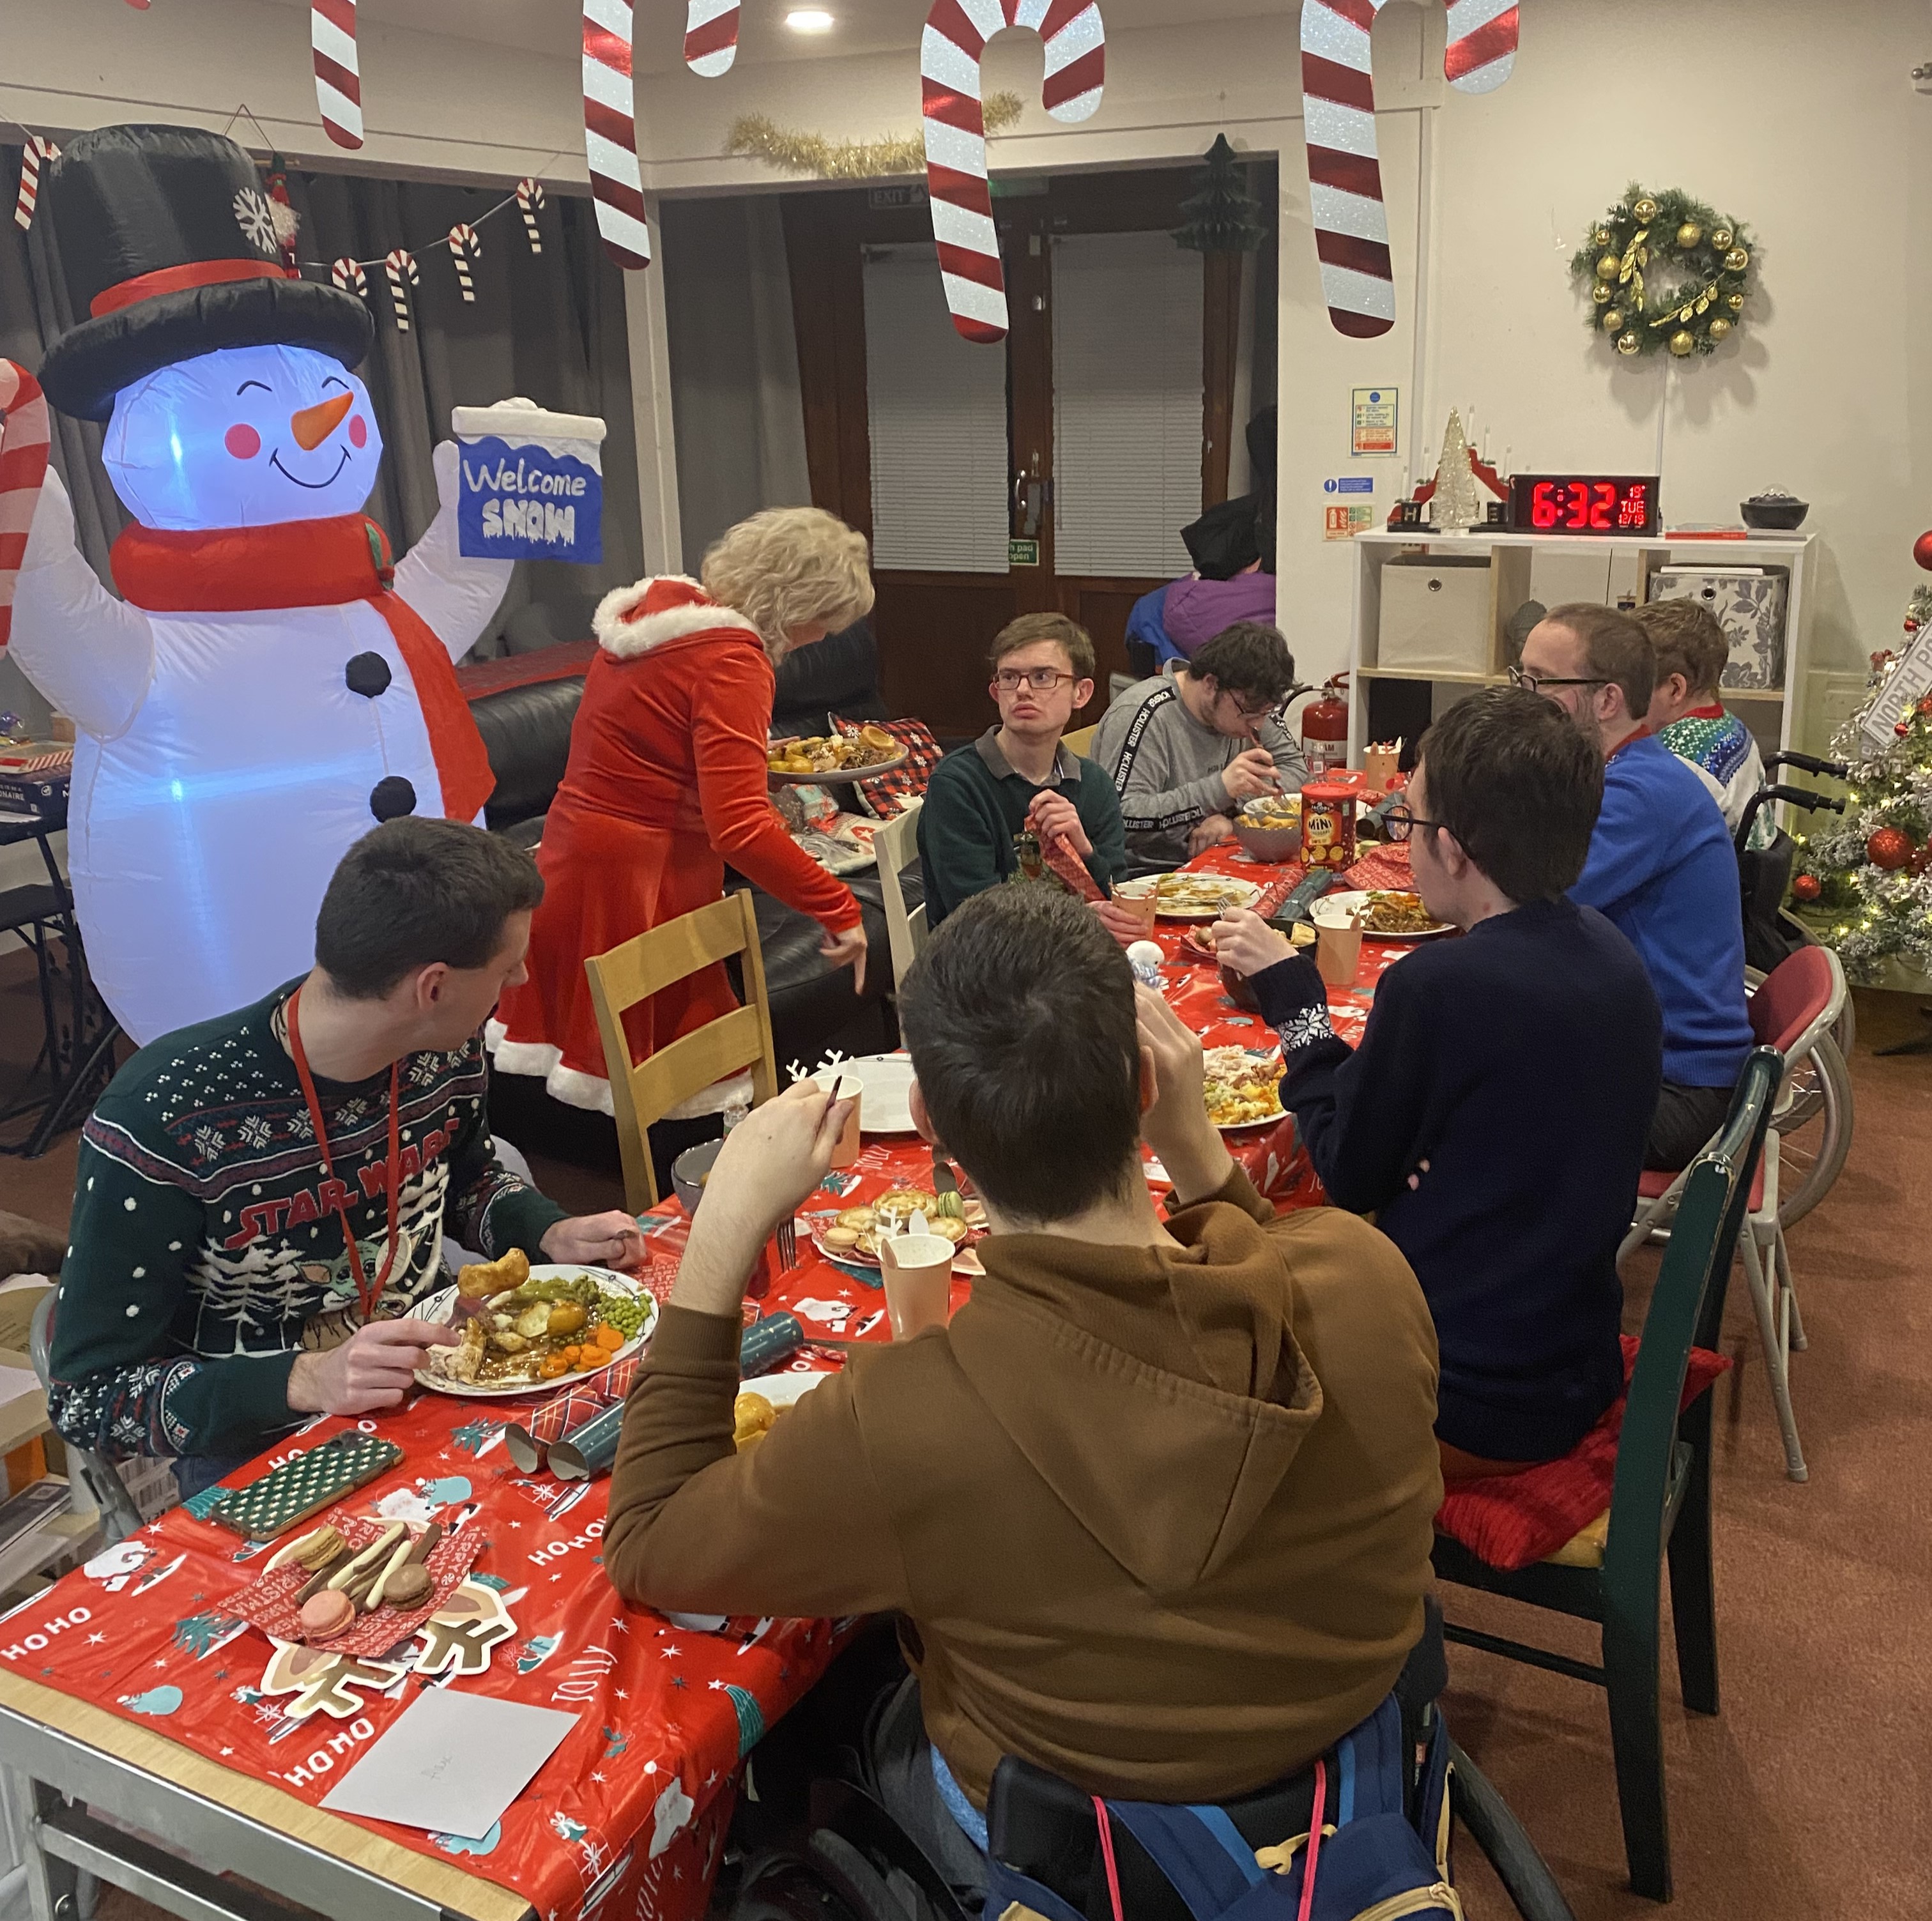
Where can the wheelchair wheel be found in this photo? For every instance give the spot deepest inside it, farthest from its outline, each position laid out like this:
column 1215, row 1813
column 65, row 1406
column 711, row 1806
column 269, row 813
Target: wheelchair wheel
column 1814, row 1130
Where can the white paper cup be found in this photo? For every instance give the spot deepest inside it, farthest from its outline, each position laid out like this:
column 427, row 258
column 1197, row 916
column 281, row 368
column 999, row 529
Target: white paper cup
column 918, row 1273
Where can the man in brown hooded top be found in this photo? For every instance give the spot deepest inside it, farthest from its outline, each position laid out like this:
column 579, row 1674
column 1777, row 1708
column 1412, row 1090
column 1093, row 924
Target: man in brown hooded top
column 1158, row 1502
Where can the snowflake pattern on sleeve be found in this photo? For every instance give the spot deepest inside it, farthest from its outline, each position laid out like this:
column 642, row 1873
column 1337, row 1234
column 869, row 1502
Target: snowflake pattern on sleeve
column 1304, row 1027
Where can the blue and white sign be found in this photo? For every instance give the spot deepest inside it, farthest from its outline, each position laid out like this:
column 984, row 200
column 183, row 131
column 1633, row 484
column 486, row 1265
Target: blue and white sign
column 1350, row 483
column 531, row 484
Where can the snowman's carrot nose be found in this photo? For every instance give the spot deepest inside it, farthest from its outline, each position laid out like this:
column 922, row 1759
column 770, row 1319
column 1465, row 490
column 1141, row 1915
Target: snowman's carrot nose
column 314, row 425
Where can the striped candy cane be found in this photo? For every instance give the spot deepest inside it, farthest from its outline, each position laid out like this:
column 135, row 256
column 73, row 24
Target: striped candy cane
column 1345, row 177
column 529, row 197
column 33, row 151
column 24, row 433
column 956, row 33
column 611, row 133
column 711, row 37
column 338, row 73
column 400, row 265
column 466, row 247
column 348, row 276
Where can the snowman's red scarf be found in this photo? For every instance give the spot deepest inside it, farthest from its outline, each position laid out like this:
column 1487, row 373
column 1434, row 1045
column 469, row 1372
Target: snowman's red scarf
column 312, row 564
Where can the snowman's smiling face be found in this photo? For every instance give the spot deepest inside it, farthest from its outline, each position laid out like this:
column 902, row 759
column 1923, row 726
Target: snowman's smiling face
column 245, row 437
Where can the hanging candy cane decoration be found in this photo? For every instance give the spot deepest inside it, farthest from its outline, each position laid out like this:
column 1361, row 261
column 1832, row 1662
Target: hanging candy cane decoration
column 35, row 149
column 711, row 37
column 1344, row 175
column 956, row 33
column 24, row 433
column 338, row 72
column 400, row 265
column 611, row 133
column 465, row 248
column 348, row 276
column 529, row 197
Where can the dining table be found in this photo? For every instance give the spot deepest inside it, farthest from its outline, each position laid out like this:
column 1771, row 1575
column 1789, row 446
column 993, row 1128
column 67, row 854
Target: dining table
column 143, row 1740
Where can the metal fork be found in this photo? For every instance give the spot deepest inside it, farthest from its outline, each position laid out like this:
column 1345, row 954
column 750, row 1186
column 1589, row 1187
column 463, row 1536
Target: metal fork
column 788, row 1245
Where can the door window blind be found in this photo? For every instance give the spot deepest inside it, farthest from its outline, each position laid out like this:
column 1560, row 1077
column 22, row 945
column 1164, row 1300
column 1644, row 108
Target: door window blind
column 1126, row 403
column 937, row 409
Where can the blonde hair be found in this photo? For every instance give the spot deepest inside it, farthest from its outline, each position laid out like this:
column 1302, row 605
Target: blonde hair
column 791, row 567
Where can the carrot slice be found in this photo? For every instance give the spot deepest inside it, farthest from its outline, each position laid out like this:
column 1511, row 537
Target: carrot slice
column 608, row 1337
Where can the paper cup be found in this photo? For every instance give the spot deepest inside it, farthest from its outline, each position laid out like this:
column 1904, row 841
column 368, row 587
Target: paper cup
column 918, row 1273
column 1378, row 766
column 1141, row 899
column 1338, row 954
column 850, row 1143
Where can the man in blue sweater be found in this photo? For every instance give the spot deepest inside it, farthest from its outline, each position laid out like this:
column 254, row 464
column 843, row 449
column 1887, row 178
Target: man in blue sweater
column 1661, row 866
column 1494, row 1115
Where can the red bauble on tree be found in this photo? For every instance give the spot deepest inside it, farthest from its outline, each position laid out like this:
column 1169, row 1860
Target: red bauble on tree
column 1921, row 550
column 1806, row 887
column 1919, row 861
column 1889, row 848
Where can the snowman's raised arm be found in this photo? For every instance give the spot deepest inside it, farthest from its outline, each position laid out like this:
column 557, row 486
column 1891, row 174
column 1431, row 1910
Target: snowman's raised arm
column 91, row 655
column 456, row 596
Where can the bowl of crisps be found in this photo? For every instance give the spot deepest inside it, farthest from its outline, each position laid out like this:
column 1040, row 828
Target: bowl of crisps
column 1270, row 828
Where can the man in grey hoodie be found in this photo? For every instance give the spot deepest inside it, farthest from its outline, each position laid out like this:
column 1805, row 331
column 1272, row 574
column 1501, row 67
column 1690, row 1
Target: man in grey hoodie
column 1187, row 750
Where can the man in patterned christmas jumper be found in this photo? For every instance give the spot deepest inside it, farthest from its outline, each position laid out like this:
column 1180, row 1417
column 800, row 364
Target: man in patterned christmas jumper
column 1692, row 651
column 261, row 1199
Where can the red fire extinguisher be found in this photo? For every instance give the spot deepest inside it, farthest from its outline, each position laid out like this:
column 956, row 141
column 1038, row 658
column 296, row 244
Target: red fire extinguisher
column 1324, row 728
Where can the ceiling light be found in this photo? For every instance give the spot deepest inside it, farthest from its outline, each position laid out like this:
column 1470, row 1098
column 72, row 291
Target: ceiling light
column 810, row 19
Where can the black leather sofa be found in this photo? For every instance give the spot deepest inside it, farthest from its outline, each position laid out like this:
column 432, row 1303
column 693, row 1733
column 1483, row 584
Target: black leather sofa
column 526, row 732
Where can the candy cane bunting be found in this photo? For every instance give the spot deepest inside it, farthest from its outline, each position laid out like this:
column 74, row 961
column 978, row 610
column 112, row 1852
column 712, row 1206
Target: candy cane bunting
column 34, row 150
column 348, row 276
column 1344, row 175
column 338, row 72
column 465, row 248
column 23, row 465
column 956, row 33
column 711, row 37
column 400, row 265
column 611, row 133
column 529, row 197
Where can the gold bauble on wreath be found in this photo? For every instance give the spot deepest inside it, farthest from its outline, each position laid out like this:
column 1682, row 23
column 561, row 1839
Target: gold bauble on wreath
column 1601, row 291
column 1610, row 266
column 1719, row 327
column 1601, row 236
column 1721, row 237
column 1689, row 234
column 1665, row 274
column 1627, row 343
column 1683, row 342
column 1735, row 302
column 1645, row 209
column 1736, row 260
column 1613, row 319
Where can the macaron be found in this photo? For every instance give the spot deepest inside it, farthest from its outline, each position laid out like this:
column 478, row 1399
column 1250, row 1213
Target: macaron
column 409, row 1587
column 324, row 1616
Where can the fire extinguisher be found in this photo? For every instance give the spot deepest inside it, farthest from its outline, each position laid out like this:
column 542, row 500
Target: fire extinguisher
column 1324, row 728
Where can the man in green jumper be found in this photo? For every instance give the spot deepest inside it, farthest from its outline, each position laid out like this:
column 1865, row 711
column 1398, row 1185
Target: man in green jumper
column 261, row 1199
column 1019, row 778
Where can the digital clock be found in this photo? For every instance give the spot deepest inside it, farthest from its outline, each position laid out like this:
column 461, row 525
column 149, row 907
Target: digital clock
column 1585, row 503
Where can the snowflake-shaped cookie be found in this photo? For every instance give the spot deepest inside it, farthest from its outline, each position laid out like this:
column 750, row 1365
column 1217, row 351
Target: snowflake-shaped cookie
column 256, row 218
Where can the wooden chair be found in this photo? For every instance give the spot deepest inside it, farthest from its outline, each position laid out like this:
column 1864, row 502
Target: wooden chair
column 1661, row 1500
column 644, row 1093
column 1081, row 742
column 895, row 845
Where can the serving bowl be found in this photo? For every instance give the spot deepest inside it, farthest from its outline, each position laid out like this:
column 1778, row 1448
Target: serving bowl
column 1774, row 513
column 688, row 1170
column 1266, row 844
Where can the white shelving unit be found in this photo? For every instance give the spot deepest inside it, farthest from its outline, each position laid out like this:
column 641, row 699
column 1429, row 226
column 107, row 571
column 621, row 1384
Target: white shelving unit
column 1774, row 713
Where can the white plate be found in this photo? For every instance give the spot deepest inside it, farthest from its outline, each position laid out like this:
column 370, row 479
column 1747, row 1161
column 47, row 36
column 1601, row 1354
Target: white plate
column 887, row 1079
column 1236, row 894
column 785, row 1390
column 441, row 1305
column 838, row 777
column 1333, row 910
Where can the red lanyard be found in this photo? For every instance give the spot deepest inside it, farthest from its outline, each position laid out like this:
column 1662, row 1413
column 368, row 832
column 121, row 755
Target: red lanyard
column 367, row 1296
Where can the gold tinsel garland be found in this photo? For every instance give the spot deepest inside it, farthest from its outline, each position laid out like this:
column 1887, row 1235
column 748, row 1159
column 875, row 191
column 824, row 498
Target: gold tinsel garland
column 752, row 136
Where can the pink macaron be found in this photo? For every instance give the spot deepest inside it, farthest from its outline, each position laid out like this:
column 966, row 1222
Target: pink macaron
column 324, row 1616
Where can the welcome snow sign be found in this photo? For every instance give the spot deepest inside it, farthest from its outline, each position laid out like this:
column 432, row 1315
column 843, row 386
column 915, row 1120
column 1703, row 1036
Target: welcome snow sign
column 532, row 484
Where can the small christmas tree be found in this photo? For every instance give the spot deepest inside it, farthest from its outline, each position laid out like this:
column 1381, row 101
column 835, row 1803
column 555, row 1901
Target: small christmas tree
column 1454, row 503
column 1865, row 881
column 1224, row 217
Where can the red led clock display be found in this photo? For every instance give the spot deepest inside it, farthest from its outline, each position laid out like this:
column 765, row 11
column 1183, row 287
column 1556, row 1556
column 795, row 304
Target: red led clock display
column 1584, row 504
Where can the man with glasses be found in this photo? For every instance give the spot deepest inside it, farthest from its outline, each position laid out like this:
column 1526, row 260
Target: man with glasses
column 1661, row 865
column 1191, row 747
column 1019, row 778
column 1494, row 1116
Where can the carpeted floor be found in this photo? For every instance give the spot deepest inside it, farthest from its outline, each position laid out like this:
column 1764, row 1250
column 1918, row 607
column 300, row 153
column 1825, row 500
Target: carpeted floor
column 1808, row 1796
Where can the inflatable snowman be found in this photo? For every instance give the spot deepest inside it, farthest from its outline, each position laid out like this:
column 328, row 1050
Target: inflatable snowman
column 268, row 688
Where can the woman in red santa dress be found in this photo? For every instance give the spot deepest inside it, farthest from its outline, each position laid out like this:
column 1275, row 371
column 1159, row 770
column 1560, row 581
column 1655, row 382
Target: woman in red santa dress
column 666, row 782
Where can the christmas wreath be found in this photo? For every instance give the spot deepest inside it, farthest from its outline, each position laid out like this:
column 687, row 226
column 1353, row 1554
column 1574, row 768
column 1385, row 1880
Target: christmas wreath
column 1706, row 259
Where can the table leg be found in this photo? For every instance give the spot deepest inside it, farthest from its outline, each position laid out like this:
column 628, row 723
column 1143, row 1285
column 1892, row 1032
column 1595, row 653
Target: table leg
column 52, row 1885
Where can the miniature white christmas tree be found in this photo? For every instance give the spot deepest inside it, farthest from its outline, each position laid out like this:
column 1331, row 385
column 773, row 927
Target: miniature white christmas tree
column 1454, row 504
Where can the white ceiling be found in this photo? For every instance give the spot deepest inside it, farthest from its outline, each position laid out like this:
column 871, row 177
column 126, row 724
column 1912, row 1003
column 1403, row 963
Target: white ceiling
column 864, row 26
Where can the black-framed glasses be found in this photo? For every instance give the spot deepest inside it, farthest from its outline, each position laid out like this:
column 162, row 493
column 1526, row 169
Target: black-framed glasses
column 1042, row 680
column 1398, row 823
column 1534, row 683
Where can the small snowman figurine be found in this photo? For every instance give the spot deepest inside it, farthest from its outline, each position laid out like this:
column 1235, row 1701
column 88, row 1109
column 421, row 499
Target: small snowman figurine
column 267, row 687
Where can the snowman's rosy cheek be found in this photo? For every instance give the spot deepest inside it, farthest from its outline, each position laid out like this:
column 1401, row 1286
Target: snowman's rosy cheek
column 242, row 441
column 358, row 430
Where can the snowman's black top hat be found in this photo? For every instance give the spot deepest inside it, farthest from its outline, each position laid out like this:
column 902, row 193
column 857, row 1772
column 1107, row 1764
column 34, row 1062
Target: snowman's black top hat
column 169, row 247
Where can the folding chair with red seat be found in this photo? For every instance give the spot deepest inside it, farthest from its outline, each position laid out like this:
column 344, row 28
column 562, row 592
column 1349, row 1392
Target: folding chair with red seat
column 1794, row 1008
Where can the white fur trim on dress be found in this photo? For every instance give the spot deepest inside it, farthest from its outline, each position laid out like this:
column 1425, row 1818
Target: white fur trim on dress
column 592, row 1091
column 624, row 638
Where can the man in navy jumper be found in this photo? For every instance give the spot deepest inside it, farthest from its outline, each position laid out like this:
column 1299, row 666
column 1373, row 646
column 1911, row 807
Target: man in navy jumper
column 1494, row 1115
column 1661, row 867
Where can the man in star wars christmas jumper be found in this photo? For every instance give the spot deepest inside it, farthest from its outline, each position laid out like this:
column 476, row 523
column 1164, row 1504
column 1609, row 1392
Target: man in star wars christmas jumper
column 267, row 686
column 261, row 1199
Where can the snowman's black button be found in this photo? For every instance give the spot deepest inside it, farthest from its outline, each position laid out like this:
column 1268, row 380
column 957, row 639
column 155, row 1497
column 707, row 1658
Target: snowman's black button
column 368, row 675
column 391, row 797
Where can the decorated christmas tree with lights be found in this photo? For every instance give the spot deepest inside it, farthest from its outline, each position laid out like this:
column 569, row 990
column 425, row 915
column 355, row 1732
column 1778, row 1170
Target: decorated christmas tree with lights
column 1865, row 881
